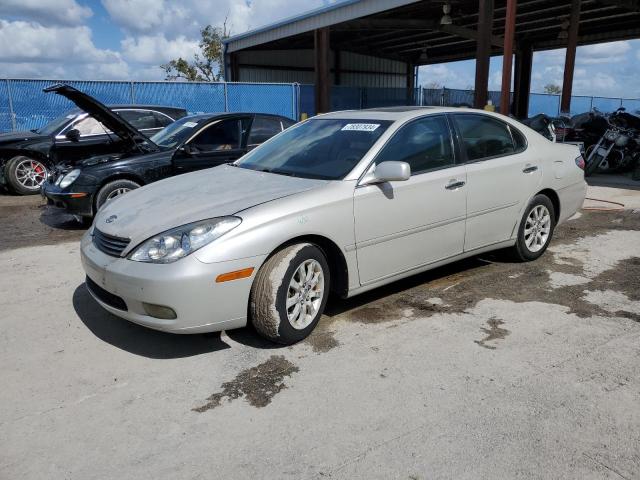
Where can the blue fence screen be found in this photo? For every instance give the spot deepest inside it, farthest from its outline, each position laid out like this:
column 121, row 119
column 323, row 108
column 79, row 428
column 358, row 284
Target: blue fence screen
column 24, row 106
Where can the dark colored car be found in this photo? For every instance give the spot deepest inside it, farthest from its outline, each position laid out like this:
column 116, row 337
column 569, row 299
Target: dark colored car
column 26, row 158
column 191, row 143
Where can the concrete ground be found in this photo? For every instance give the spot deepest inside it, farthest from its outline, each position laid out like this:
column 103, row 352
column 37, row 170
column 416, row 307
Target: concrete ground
column 483, row 369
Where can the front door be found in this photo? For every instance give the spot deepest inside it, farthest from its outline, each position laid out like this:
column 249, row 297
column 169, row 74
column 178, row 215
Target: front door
column 216, row 144
column 401, row 226
column 501, row 176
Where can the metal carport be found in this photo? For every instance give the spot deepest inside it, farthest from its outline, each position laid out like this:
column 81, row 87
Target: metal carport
column 381, row 42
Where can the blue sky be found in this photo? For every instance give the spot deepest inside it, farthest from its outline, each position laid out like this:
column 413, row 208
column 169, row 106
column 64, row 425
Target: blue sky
column 129, row 39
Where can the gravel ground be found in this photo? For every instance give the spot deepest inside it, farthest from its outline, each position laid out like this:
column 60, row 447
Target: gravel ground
column 481, row 369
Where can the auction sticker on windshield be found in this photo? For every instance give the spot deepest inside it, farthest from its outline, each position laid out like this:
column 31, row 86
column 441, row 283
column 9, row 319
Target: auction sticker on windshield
column 190, row 124
column 361, row 127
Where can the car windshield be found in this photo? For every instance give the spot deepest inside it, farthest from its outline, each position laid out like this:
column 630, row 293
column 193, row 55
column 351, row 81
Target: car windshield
column 176, row 133
column 55, row 125
column 319, row 148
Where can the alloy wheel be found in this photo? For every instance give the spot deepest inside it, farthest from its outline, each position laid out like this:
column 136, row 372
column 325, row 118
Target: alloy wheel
column 117, row 192
column 305, row 293
column 537, row 228
column 31, row 174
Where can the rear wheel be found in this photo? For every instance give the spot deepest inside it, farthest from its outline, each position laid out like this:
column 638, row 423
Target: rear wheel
column 114, row 189
column 25, row 175
column 289, row 293
column 536, row 229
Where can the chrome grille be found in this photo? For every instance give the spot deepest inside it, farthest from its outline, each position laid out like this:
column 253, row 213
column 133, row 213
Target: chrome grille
column 109, row 244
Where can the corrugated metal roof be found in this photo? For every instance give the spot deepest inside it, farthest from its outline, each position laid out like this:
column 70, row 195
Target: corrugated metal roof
column 318, row 18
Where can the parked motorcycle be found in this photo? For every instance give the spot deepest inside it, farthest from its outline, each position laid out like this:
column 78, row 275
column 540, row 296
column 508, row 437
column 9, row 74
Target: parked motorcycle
column 618, row 149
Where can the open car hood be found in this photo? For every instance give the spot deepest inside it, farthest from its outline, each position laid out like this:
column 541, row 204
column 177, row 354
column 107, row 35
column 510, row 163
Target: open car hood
column 114, row 122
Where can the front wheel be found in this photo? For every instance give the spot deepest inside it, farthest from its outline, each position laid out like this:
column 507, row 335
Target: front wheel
column 536, row 229
column 289, row 293
column 114, row 189
column 593, row 165
column 25, row 175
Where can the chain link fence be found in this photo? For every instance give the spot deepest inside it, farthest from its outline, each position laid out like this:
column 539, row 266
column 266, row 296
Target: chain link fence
column 24, row 106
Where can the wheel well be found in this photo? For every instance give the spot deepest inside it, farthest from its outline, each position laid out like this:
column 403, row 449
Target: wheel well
column 335, row 259
column 555, row 200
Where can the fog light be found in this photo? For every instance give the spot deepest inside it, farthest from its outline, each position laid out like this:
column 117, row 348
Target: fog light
column 158, row 311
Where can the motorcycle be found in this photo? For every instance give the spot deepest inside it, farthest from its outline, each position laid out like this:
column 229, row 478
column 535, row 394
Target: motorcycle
column 619, row 147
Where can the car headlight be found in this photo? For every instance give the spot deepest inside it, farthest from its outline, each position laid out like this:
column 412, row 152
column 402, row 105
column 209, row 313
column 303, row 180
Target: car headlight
column 69, row 178
column 169, row 246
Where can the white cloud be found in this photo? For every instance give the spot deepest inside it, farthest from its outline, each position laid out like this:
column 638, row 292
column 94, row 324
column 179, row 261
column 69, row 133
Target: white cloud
column 613, row 52
column 47, row 12
column 157, row 49
column 597, row 84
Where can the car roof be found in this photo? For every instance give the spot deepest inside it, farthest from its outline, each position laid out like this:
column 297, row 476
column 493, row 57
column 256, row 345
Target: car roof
column 401, row 113
column 219, row 115
column 179, row 112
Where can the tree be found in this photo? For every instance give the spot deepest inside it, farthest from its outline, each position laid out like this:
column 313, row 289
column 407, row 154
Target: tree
column 206, row 65
column 552, row 88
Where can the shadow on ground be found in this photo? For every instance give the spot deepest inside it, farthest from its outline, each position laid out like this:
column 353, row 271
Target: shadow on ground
column 136, row 339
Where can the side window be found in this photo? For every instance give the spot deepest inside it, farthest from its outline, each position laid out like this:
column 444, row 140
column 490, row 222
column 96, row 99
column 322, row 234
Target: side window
column 425, row 144
column 223, row 135
column 263, row 129
column 484, row 137
column 162, row 120
column 140, row 119
column 90, row 126
column 518, row 139
column 286, row 123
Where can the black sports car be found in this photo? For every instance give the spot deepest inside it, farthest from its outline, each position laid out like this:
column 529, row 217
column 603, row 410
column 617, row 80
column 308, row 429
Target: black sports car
column 26, row 158
column 191, row 143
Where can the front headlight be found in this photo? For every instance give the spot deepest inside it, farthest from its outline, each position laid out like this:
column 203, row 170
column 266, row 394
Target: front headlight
column 69, row 178
column 179, row 242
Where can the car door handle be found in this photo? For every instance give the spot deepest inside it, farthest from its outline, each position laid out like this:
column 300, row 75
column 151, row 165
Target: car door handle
column 456, row 184
column 529, row 169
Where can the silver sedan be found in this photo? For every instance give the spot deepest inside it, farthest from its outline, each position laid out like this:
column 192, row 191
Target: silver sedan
column 343, row 203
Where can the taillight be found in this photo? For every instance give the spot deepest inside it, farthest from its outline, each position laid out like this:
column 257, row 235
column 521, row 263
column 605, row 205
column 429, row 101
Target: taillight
column 580, row 162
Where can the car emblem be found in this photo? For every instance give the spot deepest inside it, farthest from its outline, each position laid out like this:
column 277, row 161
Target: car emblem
column 110, row 219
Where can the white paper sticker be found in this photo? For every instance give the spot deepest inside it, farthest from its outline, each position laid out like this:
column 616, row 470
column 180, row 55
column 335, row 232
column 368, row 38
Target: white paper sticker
column 361, row 127
column 72, row 115
column 190, row 124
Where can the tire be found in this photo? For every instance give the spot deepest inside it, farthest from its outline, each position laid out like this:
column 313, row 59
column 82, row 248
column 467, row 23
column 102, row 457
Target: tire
column 526, row 250
column 592, row 166
column 114, row 189
column 636, row 172
column 272, row 287
column 25, row 175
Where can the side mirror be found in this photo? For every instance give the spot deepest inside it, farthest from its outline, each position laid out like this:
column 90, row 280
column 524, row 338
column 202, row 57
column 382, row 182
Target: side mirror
column 186, row 150
column 73, row 135
column 388, row 172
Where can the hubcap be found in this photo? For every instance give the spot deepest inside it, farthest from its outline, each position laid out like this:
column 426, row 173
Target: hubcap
column 117, row 192
column 537, row 228
column 305, row 293
column 31, row 174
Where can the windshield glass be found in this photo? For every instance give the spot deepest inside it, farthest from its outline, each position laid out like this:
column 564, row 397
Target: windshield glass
column 325, row 149
column 176, row 133
column 55, row 125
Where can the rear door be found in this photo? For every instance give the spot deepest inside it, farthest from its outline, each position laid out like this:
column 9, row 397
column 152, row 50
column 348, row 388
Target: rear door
column 217, row 143
column 502, row 175
column 400, row 226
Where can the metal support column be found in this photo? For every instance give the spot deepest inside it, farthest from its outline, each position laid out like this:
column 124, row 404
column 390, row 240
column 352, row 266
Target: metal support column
column 483, row 52
column 522, row 80
column 507, row 60
column 322, row 78
column 570, row 59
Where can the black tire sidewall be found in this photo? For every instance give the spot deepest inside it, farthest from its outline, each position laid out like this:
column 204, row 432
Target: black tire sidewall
column 286, row 333
column 12, row 179
column 592, row 166
column 106, row 189
column 523, row 252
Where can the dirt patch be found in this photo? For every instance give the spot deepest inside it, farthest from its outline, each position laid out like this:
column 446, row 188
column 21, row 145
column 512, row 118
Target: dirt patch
column 322, row 340
column 494, row 332
column 461, row 285
column 257, row 384
column 28, row 221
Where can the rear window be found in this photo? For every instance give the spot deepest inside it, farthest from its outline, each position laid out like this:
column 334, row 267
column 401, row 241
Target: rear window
column 484, row 136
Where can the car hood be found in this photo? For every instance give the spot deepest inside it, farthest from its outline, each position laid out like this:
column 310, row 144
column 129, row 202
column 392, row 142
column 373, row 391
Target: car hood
column 114, row 122
column 176, row 201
